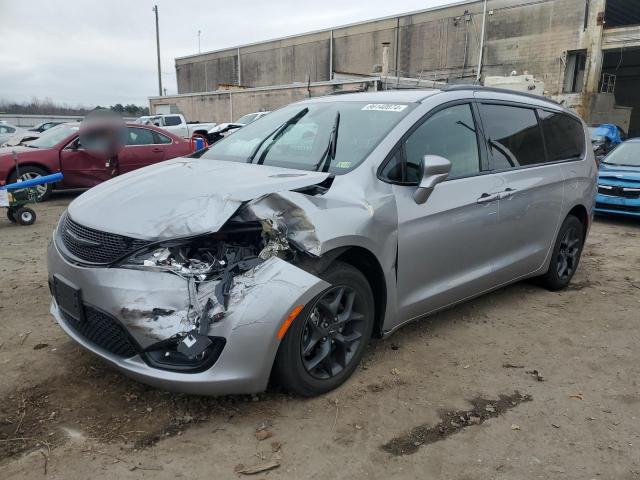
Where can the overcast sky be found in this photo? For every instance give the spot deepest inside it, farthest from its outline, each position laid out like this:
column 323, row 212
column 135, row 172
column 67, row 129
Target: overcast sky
column 89, row 52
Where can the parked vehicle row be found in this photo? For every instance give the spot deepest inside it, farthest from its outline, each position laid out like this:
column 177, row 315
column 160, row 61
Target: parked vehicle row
column 59, row 150
column 11, row 135
column 283, row 248
column 224, row 129
column 177, row 124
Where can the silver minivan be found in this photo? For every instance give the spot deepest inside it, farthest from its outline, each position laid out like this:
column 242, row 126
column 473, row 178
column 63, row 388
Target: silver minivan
column 281, row 250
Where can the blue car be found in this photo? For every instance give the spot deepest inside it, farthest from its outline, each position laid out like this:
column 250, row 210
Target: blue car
column 619, row 181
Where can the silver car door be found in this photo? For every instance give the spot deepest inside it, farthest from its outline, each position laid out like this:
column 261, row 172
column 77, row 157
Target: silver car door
column 446, row 246
column 531, row 190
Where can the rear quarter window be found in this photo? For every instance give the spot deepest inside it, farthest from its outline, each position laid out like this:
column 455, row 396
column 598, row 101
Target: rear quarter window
column 564, row 136
column 513, row 135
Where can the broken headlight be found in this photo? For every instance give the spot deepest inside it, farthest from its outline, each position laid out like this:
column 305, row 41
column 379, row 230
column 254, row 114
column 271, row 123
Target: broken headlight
column 183, row 260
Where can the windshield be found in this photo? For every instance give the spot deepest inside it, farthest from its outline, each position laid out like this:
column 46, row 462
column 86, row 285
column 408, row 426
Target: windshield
column 626, row 154
column 298, row 136
column 53, row 136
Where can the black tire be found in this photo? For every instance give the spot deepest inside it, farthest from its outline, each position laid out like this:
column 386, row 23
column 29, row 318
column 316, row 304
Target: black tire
column 565, row 256
column 10, row 215
column 292, row 368
column 25, row 216
column 31, row 171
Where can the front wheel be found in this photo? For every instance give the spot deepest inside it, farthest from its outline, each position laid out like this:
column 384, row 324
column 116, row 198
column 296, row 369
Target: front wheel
column 11, row 215
column 325, row 343
column 566, row 255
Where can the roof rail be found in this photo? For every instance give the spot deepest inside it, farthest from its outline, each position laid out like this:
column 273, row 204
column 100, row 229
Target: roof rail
column 481, row 88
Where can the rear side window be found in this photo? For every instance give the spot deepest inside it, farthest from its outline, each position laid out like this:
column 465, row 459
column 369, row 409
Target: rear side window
column 563, row 135
column 139, row 136
column 513, row 135
column 162, row 138
column 171, row 121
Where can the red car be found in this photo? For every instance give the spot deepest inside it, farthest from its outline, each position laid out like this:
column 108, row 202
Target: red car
column 58, row 150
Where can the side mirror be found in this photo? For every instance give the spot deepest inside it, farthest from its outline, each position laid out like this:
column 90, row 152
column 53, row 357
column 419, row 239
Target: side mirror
column 433, row 169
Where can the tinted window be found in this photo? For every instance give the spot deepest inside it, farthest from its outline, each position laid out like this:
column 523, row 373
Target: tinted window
column 139, row 136
column 563, row 135
column 450, row 133
column 5, row 129
column 513, row 135
column 163, row 138
column 170, row 121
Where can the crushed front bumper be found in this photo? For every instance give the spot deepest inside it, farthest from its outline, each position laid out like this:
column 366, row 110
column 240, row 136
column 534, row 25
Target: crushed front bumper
column 148, row 307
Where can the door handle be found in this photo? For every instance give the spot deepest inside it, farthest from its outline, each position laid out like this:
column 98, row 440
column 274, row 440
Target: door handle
column 488, row 197
column 508, row 193
column 157, row 150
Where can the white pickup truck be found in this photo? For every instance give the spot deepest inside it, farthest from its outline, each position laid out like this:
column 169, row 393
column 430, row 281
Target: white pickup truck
column 177, row 124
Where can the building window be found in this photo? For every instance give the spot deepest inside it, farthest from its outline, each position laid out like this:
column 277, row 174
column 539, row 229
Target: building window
column 621, row 13
column 574, row 71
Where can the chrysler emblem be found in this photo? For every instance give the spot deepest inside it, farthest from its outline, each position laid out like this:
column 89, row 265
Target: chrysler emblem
column 81, row 241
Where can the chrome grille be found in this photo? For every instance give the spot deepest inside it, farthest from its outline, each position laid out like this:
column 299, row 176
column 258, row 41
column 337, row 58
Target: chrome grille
column 94, row 246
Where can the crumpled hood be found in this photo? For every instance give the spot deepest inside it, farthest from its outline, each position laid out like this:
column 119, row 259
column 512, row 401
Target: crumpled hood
column 611, row 172
column 181, row 197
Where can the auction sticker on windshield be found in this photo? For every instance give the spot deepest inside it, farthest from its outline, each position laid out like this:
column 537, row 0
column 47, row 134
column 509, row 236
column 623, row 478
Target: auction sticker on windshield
column 384, row 107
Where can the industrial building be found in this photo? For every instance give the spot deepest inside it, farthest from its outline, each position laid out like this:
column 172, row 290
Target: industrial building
column 586, row 53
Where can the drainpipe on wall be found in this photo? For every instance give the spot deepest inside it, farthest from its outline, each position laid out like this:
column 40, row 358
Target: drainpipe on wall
column 484, row 22
column 239, row 69
column 331, row 56
column 385, row 59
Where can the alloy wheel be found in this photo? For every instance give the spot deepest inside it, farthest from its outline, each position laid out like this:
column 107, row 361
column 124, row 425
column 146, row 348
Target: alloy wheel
column 568, row 254
column 41, row 189
column 332, row 333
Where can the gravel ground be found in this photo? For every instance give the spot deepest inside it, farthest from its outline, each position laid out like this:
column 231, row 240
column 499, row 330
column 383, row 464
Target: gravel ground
column 521, row 383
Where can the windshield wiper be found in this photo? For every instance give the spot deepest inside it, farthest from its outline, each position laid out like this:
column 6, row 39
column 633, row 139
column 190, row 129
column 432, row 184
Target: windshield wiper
column 330, row 152
column 275, row 134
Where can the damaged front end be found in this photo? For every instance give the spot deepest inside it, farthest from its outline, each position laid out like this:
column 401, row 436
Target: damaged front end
column 208, row 265
column 184, row 305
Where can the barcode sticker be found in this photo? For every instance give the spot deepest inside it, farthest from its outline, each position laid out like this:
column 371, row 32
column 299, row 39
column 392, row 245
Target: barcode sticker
column 384, row 107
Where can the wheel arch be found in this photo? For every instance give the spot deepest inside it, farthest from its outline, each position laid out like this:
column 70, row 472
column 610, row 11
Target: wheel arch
column 28, row 164
column 366, row 262
column 580, row 212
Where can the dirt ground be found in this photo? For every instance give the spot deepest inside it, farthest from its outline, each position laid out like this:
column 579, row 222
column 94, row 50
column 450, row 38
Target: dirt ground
column 518, row 384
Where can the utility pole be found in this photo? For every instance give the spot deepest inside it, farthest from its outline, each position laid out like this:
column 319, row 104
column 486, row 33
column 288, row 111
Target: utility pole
column 484, row 22
column 199, row 32
column 155, row 9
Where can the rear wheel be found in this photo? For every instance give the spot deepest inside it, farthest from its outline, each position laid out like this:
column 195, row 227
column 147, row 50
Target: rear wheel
column 30, row 172
column 325, row 343
column 566, row 255
column 25, row 216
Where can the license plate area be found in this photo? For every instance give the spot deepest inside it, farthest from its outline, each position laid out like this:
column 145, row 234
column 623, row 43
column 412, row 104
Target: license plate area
column 69, row 298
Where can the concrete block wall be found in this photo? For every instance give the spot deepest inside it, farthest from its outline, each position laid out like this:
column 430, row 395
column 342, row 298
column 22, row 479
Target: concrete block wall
column 530, row 35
